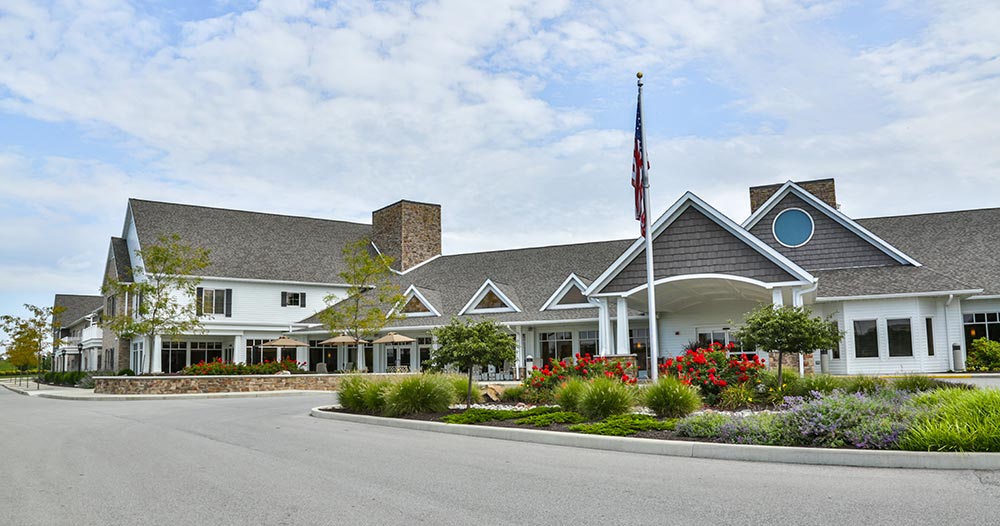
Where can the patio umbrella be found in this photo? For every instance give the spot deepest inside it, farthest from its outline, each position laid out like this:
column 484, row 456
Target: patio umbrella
column 394, row 338
column 283, row 342
column 342, row 339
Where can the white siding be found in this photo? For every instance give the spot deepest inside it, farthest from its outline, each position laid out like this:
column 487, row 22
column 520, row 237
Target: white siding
column 971, row 306
column 836, row 313
column 881, row 310
column 259, row 303
column 676, row 329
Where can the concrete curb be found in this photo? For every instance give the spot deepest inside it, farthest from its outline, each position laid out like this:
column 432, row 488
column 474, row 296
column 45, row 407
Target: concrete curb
column 678, row 448
column 56, row 395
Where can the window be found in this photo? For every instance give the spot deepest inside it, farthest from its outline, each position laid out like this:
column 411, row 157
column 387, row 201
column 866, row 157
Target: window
column 490, row 301
column 173, row 357
column 900, row 337
column 793, row 227
column 865, row 339
column 215, row 301
column 293, row 299
column 555, row 346
column 639, row 345
column 588, row 343
column 255, row 351
column 207, row 352
column 981, row 325
column 415, row 306
column 930, row 336
column 424, row 345
column 836, row 349
column 322, row 353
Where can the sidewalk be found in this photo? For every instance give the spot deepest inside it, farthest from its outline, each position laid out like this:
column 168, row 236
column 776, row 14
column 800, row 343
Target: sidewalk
column 72, row 393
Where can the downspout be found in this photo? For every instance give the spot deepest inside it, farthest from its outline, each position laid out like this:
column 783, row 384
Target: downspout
column 947, row 334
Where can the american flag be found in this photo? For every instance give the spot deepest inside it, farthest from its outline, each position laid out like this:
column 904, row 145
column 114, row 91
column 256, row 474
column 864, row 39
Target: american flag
column 638, row 157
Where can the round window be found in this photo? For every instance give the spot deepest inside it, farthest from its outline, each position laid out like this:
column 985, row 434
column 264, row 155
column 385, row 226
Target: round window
column 793, row 227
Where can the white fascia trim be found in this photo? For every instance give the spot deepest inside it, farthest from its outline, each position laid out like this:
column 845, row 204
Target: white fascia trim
column 726, row 277
column 505, row 323
column 984, row 297
column 898, row 295
column 478, row 296
column 832, row 213
column 668, row 217
column 553, row 302
column 275, row 281
column 418, row 265
column 407, row 296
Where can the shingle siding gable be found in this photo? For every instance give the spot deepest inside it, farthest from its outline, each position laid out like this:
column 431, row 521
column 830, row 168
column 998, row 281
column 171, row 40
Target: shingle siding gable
column 695, row 244
column 832, row 245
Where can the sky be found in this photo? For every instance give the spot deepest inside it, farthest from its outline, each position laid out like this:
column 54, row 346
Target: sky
column 516, row 116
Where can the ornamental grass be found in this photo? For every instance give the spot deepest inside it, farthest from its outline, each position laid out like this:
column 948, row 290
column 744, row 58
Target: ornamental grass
column 671, row 398
column 427, row 393
column 958, row 420
column 605, row 397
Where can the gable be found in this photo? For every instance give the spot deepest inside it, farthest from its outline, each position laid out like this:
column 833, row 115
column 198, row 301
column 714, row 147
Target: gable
column 696, row 244
column 570, row 295
column 488, row 299
column 831, row 245
column 415, row 306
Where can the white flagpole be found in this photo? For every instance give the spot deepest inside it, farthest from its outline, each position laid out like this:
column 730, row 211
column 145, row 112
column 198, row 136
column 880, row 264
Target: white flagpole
column 654, row 344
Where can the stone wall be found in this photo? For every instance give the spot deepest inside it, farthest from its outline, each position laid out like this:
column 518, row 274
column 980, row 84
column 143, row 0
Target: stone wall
column 408, row 231
column 824, row 189
column 791, row 361
column 132, row 385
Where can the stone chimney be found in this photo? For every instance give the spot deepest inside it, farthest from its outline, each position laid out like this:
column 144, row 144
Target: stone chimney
column 824, row 189
column 407, row 231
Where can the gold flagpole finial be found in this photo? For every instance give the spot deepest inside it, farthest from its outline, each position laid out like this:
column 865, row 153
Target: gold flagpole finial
column 638, row 75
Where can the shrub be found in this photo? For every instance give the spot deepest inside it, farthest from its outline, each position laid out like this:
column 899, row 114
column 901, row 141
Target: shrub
column 624, row 425
column 703, row 425
column 479, row 415
column 770, row 392
column 865, row 384
column 374, row 396
column 568, row 394
column 816, row 383
column 427, row 393
column 351, row 392
column 839, row 419
column 126, row 372
column 547, row 419
column 739, row 396
column 984, row 355
column 670, row 397
column 87, row 382
column 916, row 383
column 219, row 367
column 513, row 394
column 605, row 397
column 767, row 429
column 554, row 373
column 959, row 420
column 460, row 386
column 712, row 370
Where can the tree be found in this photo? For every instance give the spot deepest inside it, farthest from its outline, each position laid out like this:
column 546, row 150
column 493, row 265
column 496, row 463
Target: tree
column 371, row 292
column 29, row 337
column 166, row 286
column 787, row 330
column 466, row 344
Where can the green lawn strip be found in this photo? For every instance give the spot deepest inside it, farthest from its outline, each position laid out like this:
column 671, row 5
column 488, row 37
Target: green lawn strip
column 547, row 419
column 478, row 415
column 625, row 425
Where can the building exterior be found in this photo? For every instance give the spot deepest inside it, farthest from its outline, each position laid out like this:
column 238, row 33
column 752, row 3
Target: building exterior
column 79, row 336
column 906, row 290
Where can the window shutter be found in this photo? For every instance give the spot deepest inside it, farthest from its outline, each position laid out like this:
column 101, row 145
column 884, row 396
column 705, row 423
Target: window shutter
column 302, row 300
column 284, row 299
column 229, row 303
column 199, row 297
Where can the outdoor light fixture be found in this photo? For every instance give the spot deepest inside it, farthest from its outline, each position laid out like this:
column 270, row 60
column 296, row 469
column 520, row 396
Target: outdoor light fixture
column 79, row 357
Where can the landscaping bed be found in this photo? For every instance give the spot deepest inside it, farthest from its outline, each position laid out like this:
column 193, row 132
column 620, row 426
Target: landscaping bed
column 708, row 396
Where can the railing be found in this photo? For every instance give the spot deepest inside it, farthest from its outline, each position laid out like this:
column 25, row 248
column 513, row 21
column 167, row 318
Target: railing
column 92, row 333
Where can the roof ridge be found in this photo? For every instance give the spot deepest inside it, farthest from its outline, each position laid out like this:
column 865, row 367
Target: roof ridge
column 80, row 295
column 136, row 199
column 943, row 212
column 538, row 247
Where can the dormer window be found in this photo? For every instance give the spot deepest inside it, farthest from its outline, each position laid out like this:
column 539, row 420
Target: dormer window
column 416, row 304
column 489, row 299
column 569, row 295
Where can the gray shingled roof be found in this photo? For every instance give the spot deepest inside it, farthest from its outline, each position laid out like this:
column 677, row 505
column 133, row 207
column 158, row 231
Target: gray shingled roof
column 896, row 279
column 253, row 245
column 527, row 276
column 960, row 244
column 123, row 263
column 75, row 307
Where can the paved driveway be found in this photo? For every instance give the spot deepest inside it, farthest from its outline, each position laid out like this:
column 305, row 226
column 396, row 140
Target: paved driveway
column 264, row 461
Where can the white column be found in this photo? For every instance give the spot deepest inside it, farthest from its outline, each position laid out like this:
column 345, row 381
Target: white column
column 776, row 297
column 622, row 318
column 361, row 356
column 414, row 357
column 603, row 327
column 302, row 355
column 156, row 353
column 519, row 348
column 239, row 349
column 798, row 301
